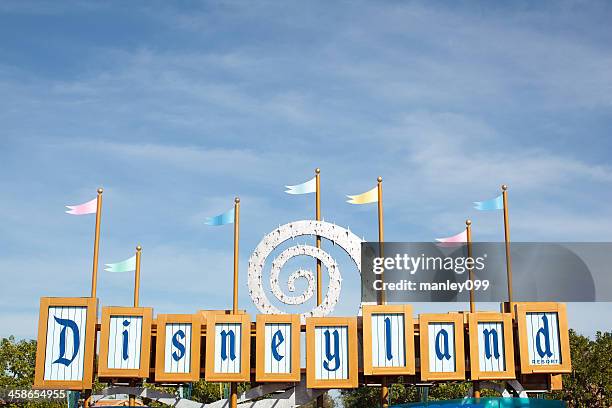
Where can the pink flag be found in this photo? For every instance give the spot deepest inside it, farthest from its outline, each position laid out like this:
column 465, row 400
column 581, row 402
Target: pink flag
column 459, row 238
column 89, row 207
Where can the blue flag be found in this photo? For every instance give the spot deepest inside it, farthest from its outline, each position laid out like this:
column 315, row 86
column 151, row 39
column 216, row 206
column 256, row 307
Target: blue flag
column 309, row 186
column 221, row 219
column 496, row 203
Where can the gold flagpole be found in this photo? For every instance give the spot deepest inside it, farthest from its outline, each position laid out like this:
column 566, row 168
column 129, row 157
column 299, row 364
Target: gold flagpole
column 381, row 233
column 504, row 188
column 384, row 389
column 137, row 275
column 233, row 385
column 468, row 233
column 132, row 397
column 320, row 398
column 94, row 274
column 318, row 215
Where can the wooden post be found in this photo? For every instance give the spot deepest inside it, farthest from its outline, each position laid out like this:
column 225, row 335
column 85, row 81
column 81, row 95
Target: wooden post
column 384, row 389
column 233, row 385
column 94, row 274
column 468, row 233
column 381, row 235
column 320, row 398
column 236, row 238
column 507, row 239
column 137, row 275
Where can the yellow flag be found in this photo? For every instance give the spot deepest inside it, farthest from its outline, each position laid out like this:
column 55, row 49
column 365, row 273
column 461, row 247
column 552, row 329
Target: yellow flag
column 364, row 198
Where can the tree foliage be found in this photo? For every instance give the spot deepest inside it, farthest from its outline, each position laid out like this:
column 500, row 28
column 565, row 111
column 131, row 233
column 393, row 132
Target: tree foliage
column 590, row 382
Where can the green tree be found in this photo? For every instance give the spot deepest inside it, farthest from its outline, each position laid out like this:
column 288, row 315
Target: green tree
column 17, row 362
column 590, row 382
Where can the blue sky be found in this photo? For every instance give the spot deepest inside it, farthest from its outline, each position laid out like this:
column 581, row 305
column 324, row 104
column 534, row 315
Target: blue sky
column 175, row 108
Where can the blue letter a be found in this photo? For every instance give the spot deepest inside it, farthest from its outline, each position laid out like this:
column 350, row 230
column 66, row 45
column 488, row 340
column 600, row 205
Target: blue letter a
column 441, row 355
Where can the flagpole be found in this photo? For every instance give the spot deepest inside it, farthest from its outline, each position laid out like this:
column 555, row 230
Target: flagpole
column 320, row 398
column 137, row 275
column 381, row 233
column 236, row 238
column 468, row 233
column 94, row 274
column 384, row 389
column 468, row 239
column 233, row 385
column 318, row 216
column 507, row 239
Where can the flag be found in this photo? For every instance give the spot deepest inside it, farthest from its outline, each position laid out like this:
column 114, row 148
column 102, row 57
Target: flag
column 221, row 219
column 496, row 203
column 364, row 198
column 459, row 238
column 127, row 265
column 89, row 207
column 306, row 187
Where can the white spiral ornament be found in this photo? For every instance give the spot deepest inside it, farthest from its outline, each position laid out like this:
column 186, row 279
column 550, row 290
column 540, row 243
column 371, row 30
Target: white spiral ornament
column 339, row 236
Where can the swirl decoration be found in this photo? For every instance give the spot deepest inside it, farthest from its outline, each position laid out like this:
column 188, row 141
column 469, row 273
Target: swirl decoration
column 339, row 236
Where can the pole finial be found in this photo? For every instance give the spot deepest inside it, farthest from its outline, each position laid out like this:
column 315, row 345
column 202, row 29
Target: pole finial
column 138, row 248
column 379, row 179
column 237, row 200
column 468, row 222
column 504, row 187
column 100, row 190
column 317, row 170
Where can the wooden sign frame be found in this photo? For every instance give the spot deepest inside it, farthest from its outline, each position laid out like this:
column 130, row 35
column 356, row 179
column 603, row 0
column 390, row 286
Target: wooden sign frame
column 145, row 344
column 90, row 336
column 160, row 356
column 508, row 342
column 543, row 307
column 457, row 319
column 353, row 374
column 368, row 366
column 294, row 321
column 245, row 348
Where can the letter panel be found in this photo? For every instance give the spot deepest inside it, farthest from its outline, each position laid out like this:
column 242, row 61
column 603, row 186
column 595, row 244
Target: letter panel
column 177, row 351
column 228, row 344
column 333, row 344
column 388, row 340
column 331, row 353
column 491, row 341
column 442, row 353
column 125, row 339
column 491, row 346
column 66, row 330
column 66, row 334
column 543, row 337
column 177, row 357
column 442, row 348
column 278, row 348
column 227, row 347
